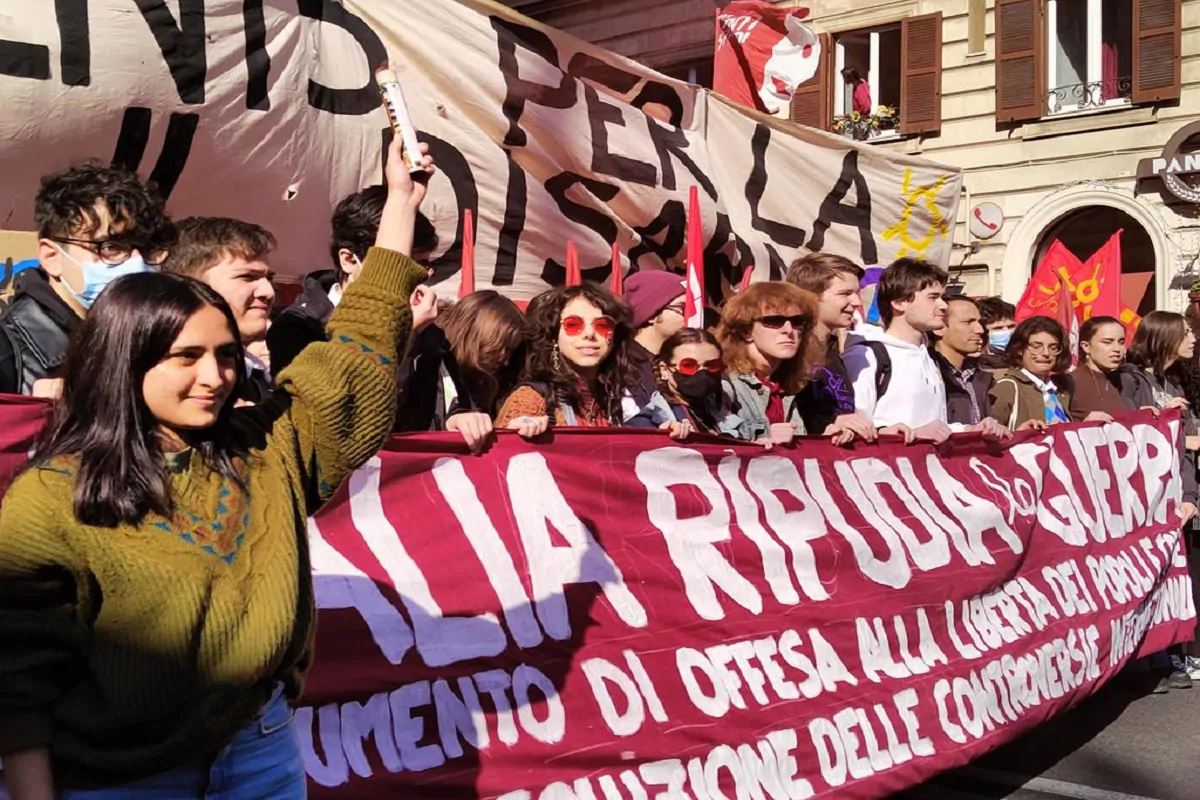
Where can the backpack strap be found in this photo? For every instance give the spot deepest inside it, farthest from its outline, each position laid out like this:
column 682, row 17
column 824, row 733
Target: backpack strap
column 1014, row 415
column 883, row 367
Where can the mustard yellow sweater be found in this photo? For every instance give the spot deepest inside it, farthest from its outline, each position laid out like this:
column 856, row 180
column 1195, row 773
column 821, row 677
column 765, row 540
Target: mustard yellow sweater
column 132, row 650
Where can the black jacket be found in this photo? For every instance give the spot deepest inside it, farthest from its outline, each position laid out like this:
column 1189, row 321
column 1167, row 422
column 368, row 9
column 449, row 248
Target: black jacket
column 829, row 392
column 421, row 403
column 958, row 402
column 1142, row 389
column 36, row 329
column 303, row 322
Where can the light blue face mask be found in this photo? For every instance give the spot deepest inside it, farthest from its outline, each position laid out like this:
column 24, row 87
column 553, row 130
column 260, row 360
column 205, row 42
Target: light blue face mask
column 97, row 275
column 998, row 340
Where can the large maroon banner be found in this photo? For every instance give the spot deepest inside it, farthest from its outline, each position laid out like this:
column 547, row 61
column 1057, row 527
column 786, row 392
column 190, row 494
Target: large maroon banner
column 610, row 615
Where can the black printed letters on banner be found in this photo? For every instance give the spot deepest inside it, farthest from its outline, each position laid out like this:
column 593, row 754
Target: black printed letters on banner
column 258, row 60
column 756, row 186
column 134, row 136
column 833, row 212
column 554, row 272
column 28, row 60
column 181, row 43
column 347, row 102
column 604, row 162
column 671, row 223
column 453, row 165
column 518, row 91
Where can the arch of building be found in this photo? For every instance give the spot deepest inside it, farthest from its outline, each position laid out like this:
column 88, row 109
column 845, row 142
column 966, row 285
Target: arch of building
column 1023, row 245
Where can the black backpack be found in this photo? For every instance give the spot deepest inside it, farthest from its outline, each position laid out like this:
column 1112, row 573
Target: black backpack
column 883, row 367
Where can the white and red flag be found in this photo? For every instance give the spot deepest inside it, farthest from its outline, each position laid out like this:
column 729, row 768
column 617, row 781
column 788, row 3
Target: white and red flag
column 693, row 312
column 763, row 54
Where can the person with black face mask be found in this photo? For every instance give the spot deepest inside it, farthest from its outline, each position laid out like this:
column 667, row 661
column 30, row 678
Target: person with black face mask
column 689, row 371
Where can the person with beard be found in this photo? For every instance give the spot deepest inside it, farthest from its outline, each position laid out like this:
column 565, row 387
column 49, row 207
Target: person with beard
column 828, row 398
column 656, row 298
column 956, row 351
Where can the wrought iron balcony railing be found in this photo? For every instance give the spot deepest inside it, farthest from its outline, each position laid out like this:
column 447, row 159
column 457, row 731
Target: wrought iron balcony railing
column 1081, row 96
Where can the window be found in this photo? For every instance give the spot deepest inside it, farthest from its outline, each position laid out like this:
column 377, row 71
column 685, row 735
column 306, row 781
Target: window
column 1089, row 54
column 1059, row 56
column 891, row 75
column 867, row 81
column 699, row 72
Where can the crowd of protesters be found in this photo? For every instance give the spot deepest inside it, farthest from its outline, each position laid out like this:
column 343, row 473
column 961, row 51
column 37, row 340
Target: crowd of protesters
column 185, row 403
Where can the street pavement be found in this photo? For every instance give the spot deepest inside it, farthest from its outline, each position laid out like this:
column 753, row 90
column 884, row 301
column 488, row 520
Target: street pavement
column 1122, row 744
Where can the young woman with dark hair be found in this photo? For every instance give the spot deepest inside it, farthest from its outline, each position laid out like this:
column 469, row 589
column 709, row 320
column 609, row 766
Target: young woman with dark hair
column 1035, row 390
column 579, row 372
column 689, row 372
column 1162, row 340
column 459, row 368
column 156, row 604
column 1097, row 396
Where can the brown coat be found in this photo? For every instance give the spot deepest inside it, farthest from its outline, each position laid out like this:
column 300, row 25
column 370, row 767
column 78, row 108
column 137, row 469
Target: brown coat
column 1015, row 399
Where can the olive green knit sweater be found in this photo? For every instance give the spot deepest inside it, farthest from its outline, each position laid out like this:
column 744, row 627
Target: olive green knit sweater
column 133, row 650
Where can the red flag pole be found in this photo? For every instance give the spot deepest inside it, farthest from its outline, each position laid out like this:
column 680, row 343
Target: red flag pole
column 617, row 279
column 574, row 276
column 694, row 311
column 466, row 282
column 747, row 279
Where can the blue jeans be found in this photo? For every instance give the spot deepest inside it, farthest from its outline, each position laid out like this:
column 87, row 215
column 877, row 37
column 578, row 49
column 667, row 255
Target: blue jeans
column 263, row 762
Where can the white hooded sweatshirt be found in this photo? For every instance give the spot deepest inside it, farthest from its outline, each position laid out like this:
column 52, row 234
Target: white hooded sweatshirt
column 916, row 394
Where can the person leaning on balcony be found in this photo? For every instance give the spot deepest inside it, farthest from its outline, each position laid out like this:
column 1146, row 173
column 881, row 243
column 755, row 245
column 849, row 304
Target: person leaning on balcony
column 861, row 100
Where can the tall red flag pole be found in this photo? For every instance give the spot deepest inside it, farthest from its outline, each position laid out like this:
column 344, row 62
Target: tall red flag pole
column 617, row 280
column 466, row 283
column 693, row 314
column 574, row 276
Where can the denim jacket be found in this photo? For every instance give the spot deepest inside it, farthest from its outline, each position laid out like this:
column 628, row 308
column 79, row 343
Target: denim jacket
column 748, row 397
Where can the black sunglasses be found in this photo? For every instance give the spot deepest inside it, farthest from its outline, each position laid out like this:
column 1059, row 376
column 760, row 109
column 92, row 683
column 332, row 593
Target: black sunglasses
column 777, row 321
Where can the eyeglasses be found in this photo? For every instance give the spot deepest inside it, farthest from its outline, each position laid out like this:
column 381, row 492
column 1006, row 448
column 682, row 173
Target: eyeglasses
column 602, row 326
column 1038, row 347
column 777, row 321
column 114, row 252
column 678, row 308
column 690, row 366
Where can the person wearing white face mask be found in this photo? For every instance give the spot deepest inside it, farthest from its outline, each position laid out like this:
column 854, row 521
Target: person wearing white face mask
column 94, row 224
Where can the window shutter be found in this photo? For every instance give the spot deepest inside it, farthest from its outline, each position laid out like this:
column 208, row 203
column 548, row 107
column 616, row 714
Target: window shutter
column 1020, row 60
column 811, row 104
column 1157, row 32
column 921, row 74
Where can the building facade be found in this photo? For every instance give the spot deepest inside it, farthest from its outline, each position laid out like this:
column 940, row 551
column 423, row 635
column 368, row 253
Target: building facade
column 1072, row 119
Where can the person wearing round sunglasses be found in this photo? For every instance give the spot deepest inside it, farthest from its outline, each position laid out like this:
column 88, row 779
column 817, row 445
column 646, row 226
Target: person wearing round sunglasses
column 580, row 370
column 765, row 335
column 94, row 225
column 690, row 373
column 1035, row 391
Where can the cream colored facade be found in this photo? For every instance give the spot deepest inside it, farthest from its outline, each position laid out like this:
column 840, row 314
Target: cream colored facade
column 1041, row 172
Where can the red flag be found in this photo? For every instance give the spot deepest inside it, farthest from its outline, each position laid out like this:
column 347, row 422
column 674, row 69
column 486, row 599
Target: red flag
column 1098, row 289
column 763, row 52
column 1068, row 317
column 466, row 278
column 618, row 278
column 574, row 276
column 747, row 279
column 693, row 314
column 1043, row 292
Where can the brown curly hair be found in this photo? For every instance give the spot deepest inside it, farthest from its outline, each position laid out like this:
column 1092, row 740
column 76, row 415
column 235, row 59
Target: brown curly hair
column 750, row 306
column 618, row 372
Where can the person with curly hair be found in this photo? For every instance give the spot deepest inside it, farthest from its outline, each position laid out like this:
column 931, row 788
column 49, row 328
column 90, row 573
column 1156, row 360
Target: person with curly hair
column 94, row 224
column 579, row 373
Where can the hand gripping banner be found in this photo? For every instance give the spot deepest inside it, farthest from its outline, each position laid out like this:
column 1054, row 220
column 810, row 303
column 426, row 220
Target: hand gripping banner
column 613, row 616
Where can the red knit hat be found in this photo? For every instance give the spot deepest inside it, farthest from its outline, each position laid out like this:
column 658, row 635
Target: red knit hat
column 651, row 291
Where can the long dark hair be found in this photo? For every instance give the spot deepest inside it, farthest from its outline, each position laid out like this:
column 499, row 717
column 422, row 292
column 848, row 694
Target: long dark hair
column 1157, row 340
column 618, row 372
column 102, row 419
column 488, row 335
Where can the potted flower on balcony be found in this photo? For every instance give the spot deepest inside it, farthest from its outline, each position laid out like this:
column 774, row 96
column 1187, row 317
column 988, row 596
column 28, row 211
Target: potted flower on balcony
column 862, row 127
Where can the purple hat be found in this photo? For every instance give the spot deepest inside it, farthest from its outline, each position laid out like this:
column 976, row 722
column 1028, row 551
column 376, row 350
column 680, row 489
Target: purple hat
column 651, row 291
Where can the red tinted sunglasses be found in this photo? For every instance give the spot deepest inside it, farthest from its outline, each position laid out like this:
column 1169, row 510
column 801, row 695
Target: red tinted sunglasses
column 604, row 327
column 690, row 366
